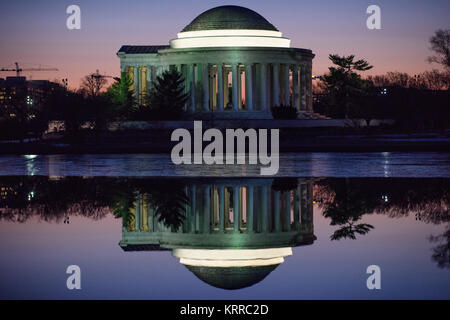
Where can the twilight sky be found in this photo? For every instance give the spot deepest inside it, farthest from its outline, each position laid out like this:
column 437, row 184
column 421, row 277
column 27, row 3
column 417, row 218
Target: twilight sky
column 34, row 32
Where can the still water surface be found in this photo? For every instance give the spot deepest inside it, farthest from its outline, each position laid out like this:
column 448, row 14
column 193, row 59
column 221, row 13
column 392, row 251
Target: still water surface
column 228, row 238
column 368, row 164
column 224, row 231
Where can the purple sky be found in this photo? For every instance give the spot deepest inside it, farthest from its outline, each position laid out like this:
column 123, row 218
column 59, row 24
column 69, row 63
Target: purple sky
column 34, row 32
column 38, row 254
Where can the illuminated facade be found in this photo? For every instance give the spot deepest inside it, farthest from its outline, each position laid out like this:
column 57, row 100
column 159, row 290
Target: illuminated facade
column 235, row 231
column 234, row 62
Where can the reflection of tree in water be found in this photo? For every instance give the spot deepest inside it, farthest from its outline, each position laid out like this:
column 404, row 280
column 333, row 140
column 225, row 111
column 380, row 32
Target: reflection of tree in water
column 441, row 252
column 349, row 230
column 167, row 197
column 345, row 201
column 341, row 201
column 51, row 200
column 56, row 200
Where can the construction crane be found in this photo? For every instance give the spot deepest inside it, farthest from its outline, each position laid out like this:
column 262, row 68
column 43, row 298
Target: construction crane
column 97, row 75
column 18, row 70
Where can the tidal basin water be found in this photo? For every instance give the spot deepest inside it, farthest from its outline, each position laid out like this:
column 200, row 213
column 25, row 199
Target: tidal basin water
column 141, row 228
column 367, row 164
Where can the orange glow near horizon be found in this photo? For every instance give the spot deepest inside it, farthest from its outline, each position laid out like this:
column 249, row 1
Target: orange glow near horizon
column 38, row 36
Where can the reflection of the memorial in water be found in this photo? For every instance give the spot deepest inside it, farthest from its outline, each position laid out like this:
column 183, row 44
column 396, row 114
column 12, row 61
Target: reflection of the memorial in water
column 235, row 232
column 240, row 229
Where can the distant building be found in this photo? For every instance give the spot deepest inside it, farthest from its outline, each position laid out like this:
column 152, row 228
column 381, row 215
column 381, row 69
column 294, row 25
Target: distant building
column 20, row 91
column 235, row 63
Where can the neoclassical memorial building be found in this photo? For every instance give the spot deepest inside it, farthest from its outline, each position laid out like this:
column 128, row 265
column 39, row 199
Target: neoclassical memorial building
column 235, row 63
column 235, row 231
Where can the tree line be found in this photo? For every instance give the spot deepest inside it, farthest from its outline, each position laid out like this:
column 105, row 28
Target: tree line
column 414, row 102
column 90, row 107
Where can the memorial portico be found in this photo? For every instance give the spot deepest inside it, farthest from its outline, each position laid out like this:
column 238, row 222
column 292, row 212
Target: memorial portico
column 229, row 206
column 235, row 64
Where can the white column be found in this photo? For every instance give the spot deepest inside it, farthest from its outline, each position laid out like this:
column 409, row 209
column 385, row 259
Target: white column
column 309, row 193
column 240, row 87
column 192, row 86
column 249, row 87
column 303, row 204
column 193, row 209
column 296, row 208
column 309, row 88
column 220, row 86
column 136, row 83
column 185, row 76
column 303, row 88
column 287, row 212
column 153, row 73
column 149, row 77
column 137, row 213
column 151, row 219
column 205, row 80
column 276, row 85
column 206, row 210
column 235, row 96
column 221, row 208
column 263, row 93
column 250, row 220
column 286, row 84
column 225, row 87
column 236, row 209
column 276, row 210
column 213, row 88
column 265, row 215
column 295, row 87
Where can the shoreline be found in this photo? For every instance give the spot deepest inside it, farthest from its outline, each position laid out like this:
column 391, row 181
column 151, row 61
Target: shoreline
column 288, row 144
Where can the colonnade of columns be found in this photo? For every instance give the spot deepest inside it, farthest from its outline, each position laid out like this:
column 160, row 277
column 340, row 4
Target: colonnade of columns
column 142, row 217
column 234, row 87
column 237, row 208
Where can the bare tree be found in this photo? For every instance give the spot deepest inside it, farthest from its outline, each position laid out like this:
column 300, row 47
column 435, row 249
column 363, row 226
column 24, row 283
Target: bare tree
column 379, row 80
column 430, row 80
column 400, row 79
column 440, row 44
column 435, row 80
column 92, row 84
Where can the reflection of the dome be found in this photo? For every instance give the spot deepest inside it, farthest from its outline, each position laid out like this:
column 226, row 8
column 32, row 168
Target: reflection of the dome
column 235, row 231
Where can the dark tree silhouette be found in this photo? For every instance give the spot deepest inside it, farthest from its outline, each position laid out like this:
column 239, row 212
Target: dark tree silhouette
column 92, row 84
column 170, row 200
column 120, row 94
column 167, row 99
column 441, row 253
column 440, row 44
column 346, row 201
column 343, row 85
